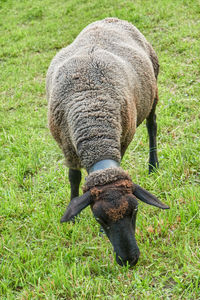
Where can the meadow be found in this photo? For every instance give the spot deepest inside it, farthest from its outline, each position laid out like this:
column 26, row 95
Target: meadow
column 43, row 259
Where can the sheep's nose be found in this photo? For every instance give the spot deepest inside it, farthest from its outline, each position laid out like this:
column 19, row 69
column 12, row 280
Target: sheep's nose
column 132, row 260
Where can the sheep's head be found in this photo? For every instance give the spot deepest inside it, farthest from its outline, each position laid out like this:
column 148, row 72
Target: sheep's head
column 114, row 206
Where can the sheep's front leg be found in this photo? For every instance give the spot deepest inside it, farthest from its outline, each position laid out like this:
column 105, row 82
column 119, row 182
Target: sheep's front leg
column 74, row 179
column 152, row 131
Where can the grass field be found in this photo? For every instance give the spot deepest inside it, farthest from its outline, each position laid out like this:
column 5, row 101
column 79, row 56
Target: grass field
column 39, row 257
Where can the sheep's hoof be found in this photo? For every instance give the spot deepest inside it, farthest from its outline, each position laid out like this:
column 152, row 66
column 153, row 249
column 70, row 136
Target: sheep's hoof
column 153, row 168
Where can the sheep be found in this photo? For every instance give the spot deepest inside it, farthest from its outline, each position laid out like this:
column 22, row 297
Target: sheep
column 99, row 89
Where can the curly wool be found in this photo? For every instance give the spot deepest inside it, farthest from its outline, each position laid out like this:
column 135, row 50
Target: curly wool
column 99, row 89
column 106, row 176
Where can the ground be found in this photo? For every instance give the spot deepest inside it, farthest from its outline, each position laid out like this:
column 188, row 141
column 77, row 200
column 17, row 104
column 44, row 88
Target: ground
column 39, row 257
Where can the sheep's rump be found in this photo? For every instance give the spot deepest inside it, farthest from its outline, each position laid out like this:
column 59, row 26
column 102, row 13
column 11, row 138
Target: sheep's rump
column 99, row 89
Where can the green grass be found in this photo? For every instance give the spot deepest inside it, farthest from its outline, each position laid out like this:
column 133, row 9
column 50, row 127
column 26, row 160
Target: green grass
column 39, row 257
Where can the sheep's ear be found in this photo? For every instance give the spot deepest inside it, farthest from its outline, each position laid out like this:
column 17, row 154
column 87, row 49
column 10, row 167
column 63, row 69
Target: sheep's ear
column 75, row 206
column 147, row 197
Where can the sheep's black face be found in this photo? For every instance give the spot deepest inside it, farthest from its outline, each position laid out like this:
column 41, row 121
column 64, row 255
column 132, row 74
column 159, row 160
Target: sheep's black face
column 116, row 211
column 115, row 208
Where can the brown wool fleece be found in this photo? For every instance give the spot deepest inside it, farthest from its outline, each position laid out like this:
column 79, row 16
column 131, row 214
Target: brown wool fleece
column 105, row 177
column 99, row 89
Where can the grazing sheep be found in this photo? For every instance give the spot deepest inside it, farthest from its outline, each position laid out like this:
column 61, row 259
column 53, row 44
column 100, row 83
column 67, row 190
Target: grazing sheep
column 99, row 89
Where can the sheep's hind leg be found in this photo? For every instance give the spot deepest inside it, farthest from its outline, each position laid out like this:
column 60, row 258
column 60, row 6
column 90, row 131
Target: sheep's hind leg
column 74, row 179
column 152, row 131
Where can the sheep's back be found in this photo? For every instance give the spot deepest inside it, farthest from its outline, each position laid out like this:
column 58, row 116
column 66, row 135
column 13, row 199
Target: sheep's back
column 108, row 69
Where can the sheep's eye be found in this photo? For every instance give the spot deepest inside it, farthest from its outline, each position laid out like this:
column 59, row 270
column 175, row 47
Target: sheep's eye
column 103, row 223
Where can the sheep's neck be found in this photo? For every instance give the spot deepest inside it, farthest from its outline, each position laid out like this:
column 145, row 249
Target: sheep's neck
column 104, row 164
